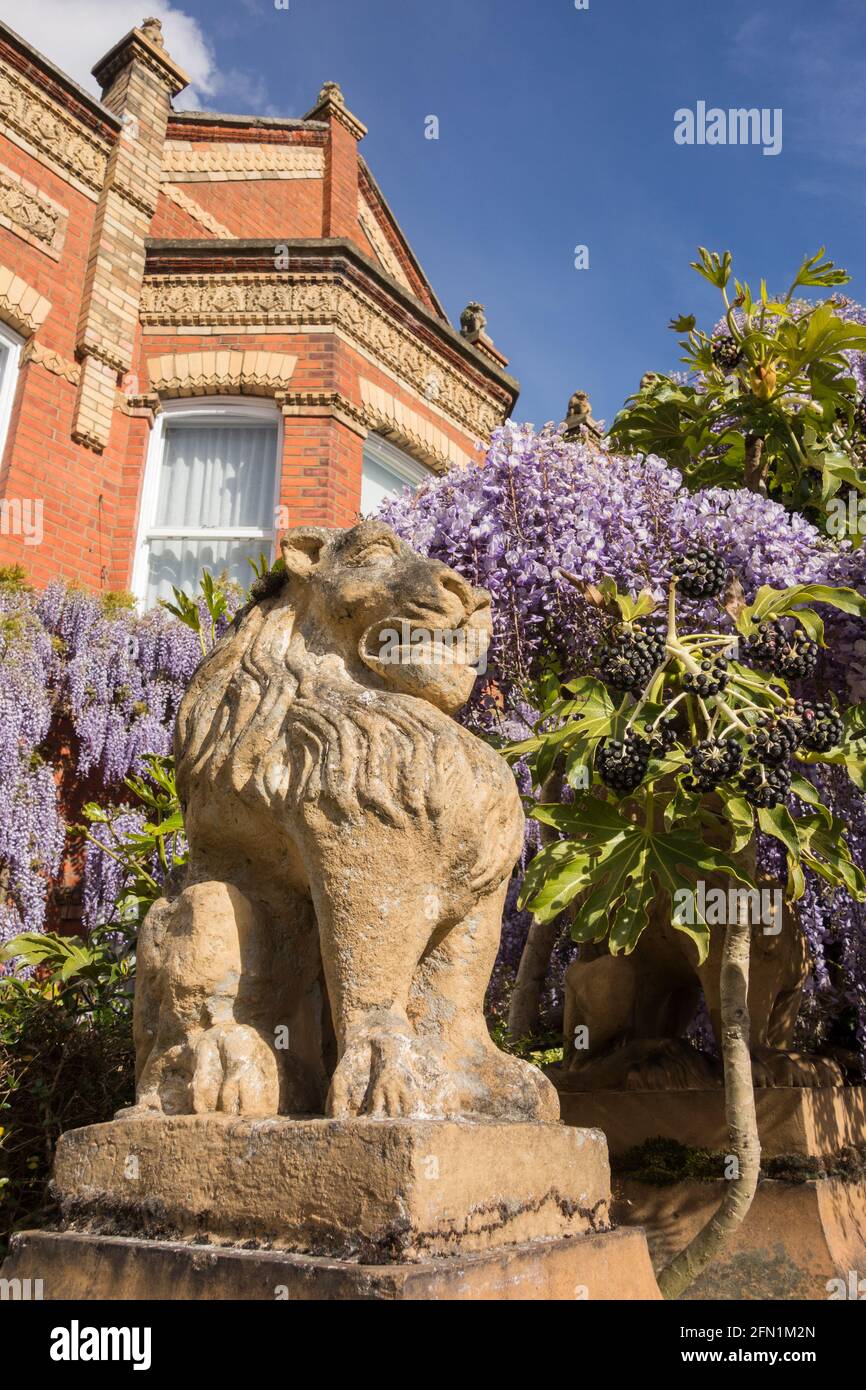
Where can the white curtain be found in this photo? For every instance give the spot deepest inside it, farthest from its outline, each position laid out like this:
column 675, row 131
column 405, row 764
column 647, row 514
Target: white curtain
column 213, row 476
column 217, row 475
column 177, row 561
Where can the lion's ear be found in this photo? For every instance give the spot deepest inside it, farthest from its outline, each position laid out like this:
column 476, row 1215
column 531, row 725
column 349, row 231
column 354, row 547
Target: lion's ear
column 302, row 547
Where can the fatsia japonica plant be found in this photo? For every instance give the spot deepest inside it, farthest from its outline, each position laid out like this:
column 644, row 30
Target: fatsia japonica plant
column 683, row 747
column 773, row 398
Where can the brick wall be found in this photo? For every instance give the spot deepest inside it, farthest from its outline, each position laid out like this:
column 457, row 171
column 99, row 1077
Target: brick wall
column 99, row 190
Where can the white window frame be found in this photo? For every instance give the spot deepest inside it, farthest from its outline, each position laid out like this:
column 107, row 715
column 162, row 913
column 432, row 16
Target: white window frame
column 13, row 343
column 213, row 407
column 395, row 460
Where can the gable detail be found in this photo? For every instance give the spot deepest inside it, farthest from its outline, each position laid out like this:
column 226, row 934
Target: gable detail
column 186, row 161
column 189, row 205
column 380, row 244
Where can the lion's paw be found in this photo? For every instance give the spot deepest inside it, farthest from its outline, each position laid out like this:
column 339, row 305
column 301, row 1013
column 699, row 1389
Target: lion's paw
column 377, row 1076
column 236, row 1073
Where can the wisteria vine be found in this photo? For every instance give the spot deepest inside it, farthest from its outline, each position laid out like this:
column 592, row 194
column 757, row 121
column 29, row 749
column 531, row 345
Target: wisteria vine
column 541, row 504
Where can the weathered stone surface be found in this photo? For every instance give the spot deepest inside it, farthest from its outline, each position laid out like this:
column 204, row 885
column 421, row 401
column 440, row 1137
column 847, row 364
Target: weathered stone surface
column 370, row 1190
column 350, row 849
column 792, row 1120
column 592, row 1267
column 796, row 1237
column 328, row 950
column 631, row 1012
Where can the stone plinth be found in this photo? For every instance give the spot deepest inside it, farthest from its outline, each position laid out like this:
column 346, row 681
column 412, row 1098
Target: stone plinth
column 387, row 1209
column 610, row 1265
column 796, row 1240
column 810, row 1122
column 358, row 1189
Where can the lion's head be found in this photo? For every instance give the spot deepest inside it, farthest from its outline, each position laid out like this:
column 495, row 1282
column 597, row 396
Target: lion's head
column 309, row 694
column 371, row 601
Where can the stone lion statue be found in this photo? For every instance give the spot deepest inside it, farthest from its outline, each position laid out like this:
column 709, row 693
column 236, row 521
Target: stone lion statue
column 625, row 1015
column 473, row 319
column 330, row 945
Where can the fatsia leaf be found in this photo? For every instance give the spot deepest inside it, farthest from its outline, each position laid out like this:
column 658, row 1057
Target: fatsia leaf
column 627, row 866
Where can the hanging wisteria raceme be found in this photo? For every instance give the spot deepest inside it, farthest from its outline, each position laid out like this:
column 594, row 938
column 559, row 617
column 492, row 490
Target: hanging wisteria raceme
column 540, row 503
column 91, row 673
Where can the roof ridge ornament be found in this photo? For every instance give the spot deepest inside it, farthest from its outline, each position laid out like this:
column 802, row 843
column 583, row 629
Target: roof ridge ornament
column 579, row 424
column 473, row 322
column 331, row 104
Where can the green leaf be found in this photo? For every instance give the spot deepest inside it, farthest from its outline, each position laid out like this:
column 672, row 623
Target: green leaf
column 808, row 793
column 627, row 866
column 779, row 823
column 741, row 819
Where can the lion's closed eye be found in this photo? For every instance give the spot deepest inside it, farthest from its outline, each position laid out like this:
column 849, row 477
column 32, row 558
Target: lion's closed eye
column 374, row 552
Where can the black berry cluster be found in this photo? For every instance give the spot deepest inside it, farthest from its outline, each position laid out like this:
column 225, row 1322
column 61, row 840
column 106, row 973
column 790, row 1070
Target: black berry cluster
column 775, row 742
column 765, row 787
column 663, row 735
column 726, row 353
column 630, row 656
column 860, row 416
column 793, row 656
column 700, row 573
column 820, row 726
column 710, row 680
column 713, row 760
column 623, row 764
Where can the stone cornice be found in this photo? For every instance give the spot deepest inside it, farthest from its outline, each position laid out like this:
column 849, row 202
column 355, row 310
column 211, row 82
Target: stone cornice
column 322, row 255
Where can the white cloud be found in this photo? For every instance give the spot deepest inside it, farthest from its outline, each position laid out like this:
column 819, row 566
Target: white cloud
column 74, row 34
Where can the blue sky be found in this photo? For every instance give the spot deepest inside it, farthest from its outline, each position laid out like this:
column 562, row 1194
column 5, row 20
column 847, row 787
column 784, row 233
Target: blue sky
column 555, row 129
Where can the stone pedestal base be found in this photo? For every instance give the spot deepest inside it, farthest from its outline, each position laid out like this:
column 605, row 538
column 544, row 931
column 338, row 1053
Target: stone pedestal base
column 798, row 1241
column 209, row 1206
column 610, row 1265
column 807, row 1122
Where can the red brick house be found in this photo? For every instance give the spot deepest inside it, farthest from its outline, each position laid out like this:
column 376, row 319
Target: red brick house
column 211, row 327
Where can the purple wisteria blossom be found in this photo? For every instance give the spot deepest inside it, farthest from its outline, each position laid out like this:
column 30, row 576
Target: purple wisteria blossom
column 539, row 503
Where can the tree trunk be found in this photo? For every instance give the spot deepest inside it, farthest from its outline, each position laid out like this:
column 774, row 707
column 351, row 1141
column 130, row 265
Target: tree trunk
column 754, row 469
column 739, row 1112
column 524, row 1019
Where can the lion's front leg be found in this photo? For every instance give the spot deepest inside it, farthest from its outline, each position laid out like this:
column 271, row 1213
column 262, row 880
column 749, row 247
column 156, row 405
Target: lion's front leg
column 375, row 921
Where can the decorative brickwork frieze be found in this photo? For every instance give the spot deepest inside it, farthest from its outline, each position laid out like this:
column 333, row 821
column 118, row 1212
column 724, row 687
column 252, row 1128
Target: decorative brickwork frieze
column 31, row 214
column 276, row 303
column 41, row 126
column 215, row 373
column 188, row 161
column 51, row 361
